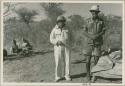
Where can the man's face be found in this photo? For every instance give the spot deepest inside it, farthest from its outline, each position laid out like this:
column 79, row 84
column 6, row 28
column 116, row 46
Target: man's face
column 61, row 24
column 94, row 14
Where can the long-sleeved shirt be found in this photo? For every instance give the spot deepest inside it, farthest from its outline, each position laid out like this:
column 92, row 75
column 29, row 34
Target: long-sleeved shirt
column 60, row 35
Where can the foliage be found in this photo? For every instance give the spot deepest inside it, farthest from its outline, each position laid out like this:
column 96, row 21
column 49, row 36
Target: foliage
column 39, row 32
column 26, row 15
column 53, row 10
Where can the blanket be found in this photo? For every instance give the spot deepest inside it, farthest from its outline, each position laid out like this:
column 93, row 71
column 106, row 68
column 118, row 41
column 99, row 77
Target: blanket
column 109, row 66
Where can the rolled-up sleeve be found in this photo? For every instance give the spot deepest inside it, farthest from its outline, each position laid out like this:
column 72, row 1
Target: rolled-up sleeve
column 53, row 37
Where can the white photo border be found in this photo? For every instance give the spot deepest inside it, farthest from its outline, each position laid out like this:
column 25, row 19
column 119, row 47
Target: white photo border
column 63, row 84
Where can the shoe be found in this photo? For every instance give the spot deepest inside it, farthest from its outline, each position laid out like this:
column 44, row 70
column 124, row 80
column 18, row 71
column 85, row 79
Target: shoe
column 57, row 79
column 68, row 78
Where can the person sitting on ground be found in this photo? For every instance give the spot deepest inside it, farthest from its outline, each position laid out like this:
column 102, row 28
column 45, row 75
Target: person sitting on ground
column 4, row 52
column 26, row 46
column 14, row 48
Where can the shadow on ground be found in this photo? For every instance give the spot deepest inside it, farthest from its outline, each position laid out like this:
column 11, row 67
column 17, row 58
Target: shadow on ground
column 18, row 57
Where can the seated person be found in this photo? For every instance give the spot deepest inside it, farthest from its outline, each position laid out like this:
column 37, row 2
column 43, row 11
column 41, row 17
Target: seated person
column 14, row 48
column 4, row 52
column 26, row 46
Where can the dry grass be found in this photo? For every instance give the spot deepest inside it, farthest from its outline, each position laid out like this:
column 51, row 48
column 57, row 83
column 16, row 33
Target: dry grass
column 40, row 68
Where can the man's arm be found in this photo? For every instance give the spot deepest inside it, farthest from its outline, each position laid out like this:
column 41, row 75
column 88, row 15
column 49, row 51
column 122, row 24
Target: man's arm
column 85, row 32
column 88, row 35
column 101, row 33
column 53, row 38
column 103, row 30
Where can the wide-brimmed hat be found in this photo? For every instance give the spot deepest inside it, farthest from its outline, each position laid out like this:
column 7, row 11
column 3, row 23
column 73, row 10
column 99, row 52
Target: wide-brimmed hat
column 95, row 8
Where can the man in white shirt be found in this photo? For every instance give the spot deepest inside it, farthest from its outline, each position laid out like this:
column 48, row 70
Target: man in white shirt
column 60, row 38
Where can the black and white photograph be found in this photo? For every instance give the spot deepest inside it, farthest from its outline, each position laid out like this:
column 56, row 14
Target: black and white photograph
column 62, row 42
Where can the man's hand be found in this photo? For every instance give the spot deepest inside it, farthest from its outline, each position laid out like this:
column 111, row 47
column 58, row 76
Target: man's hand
column 59, row 43
column 94, row 37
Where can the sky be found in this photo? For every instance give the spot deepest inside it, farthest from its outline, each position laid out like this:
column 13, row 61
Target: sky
column 74, row 9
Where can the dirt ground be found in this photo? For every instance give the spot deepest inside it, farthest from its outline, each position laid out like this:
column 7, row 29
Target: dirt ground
column 40, row 68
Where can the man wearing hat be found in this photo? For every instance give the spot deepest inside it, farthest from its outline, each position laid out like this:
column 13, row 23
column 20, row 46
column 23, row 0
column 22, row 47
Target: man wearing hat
column 60, row 38
column 93, row 31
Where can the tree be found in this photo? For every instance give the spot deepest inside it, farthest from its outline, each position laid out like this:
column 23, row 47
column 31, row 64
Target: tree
column 8, row 6
column 113, row 24
column 76, row 22
column 8, row 9
column 53, row 10
column 26, row 15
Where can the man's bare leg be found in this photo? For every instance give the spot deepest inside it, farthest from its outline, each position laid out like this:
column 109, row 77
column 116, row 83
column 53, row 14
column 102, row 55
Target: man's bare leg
column 88, row 64
column 96, row 58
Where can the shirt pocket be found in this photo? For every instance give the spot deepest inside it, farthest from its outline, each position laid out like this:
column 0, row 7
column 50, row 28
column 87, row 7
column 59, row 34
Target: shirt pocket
column 57, row 33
